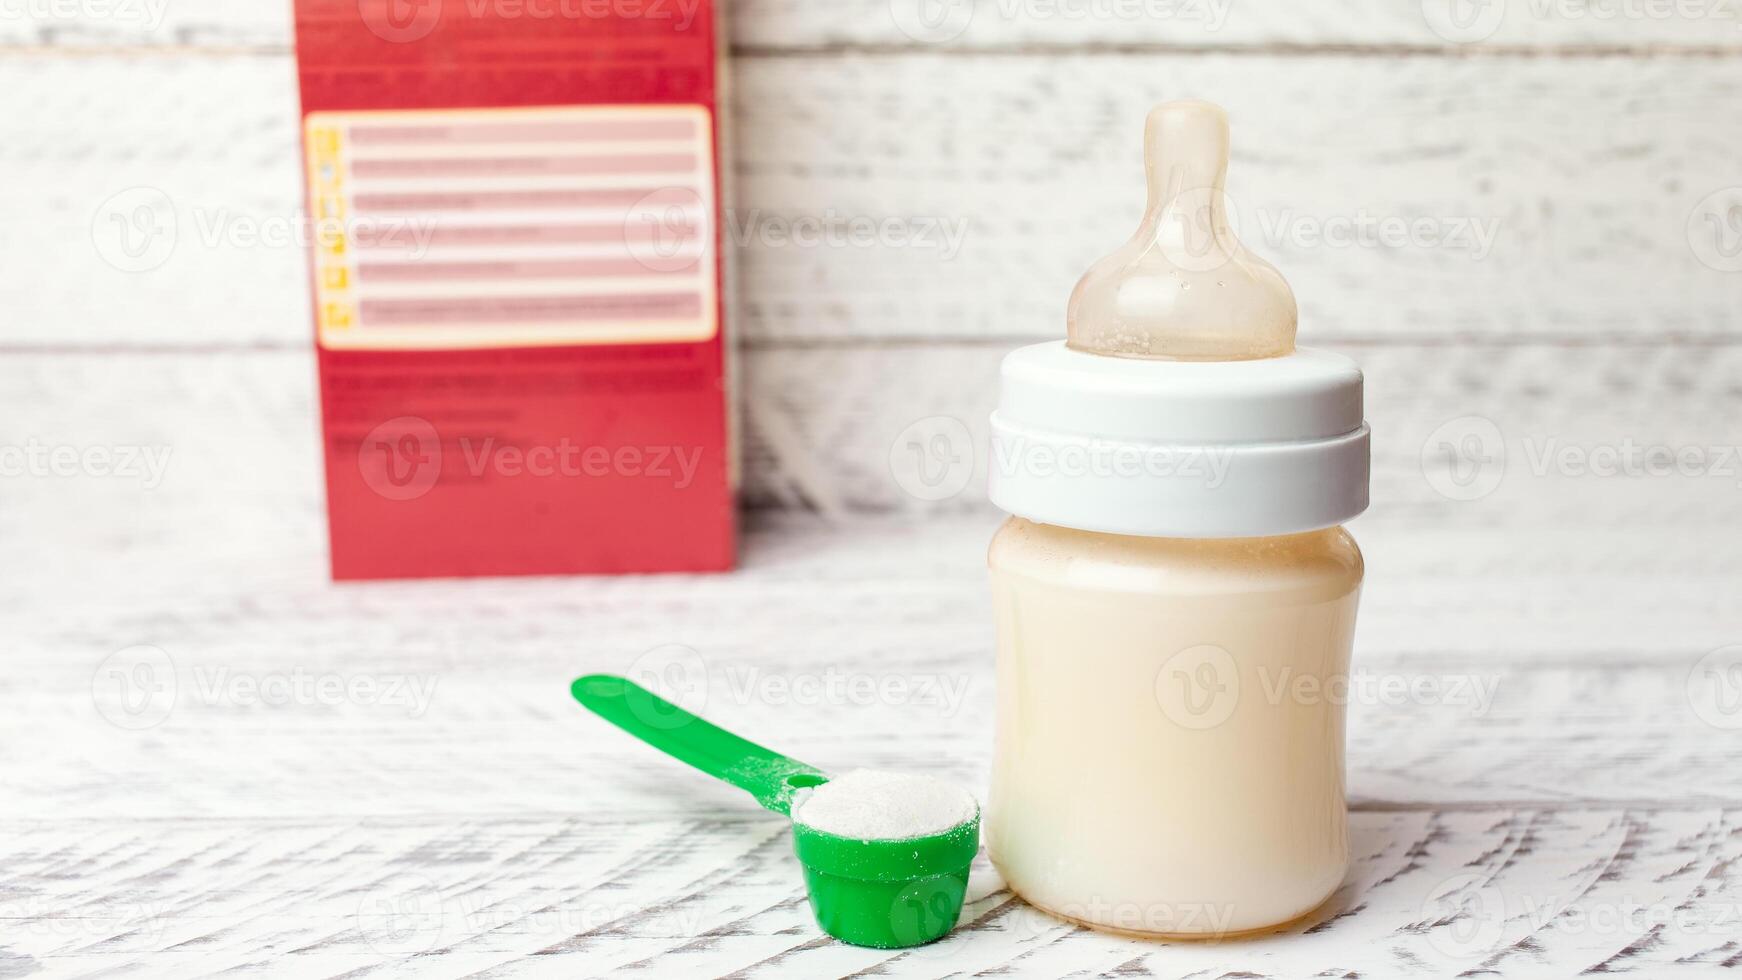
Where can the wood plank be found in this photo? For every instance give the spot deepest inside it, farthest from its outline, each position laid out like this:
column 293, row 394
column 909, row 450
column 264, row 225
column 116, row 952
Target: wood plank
column 399, row 704
column 833, row 429
column 1432, row 25
column 859, row 411
column 1587, row 172
column 1504, row 891
column 756, row 25
column 233, row 437
column 1036, row 163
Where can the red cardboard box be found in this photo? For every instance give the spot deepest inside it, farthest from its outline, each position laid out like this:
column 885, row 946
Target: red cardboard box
column 517, row 284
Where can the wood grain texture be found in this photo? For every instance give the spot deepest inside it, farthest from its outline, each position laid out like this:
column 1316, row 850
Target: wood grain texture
column 390, row 779
column 1502, row 892
column 862, row 409
column 457, row 814
column 839, row 426
column 1439, row 26
column 1433, row 26
column 1036, row 162
column 1557, row 194
column 1563, row 658
column 1583, row 819
column 448, row 702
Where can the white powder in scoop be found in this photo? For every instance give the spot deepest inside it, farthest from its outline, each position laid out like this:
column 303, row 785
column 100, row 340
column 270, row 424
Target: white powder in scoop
column 871, row 804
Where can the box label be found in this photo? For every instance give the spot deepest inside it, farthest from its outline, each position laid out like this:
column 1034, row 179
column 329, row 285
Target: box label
column 513, row 227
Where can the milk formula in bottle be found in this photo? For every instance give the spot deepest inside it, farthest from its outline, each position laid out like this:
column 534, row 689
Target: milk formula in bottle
column 1175, row 595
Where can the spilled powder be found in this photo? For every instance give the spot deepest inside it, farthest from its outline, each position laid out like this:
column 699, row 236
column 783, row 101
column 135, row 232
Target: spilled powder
column 872, row 804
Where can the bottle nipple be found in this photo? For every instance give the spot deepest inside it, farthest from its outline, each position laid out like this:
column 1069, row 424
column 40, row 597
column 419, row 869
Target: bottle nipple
column 1184, row 287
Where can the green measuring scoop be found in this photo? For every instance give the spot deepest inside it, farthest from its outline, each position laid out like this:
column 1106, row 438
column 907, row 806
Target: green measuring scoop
column 887, row 894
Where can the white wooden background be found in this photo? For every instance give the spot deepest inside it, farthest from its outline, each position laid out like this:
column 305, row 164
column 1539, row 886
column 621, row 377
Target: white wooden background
column 1587, row 819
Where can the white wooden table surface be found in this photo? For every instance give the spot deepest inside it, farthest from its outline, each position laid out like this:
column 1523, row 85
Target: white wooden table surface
column 214, row 762
column 1566, row 798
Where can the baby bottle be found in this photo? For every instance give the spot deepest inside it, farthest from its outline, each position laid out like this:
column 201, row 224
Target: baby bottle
column 1175, row 596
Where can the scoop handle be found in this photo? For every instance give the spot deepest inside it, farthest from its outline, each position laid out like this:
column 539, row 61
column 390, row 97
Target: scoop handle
column 767, row 775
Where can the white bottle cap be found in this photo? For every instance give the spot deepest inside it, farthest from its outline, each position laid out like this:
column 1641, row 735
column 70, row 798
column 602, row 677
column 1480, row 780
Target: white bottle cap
column 1185, row 449
column 1180, row 407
